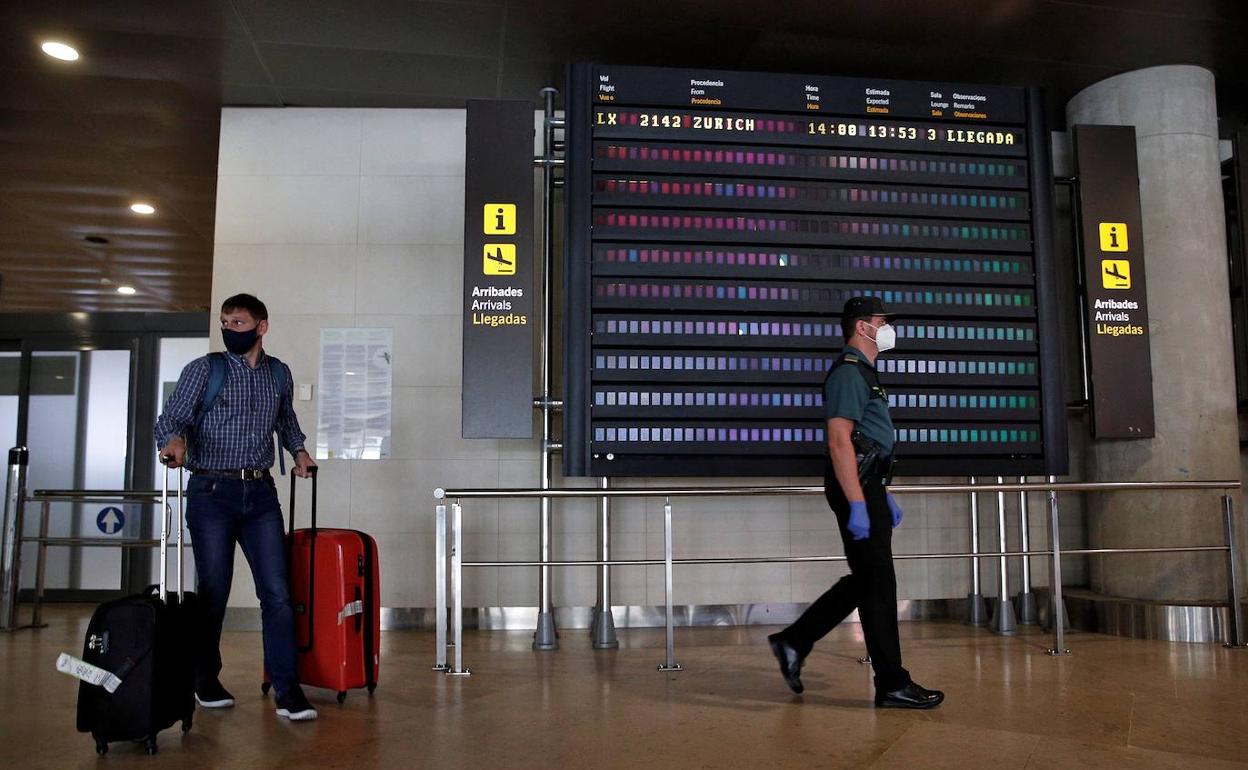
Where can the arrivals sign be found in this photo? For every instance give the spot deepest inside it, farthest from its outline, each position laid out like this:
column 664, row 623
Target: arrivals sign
column 1116, row 306
column 498, row 271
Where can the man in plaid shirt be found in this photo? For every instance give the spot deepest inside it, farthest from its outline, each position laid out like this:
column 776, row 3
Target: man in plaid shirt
column 232, row 497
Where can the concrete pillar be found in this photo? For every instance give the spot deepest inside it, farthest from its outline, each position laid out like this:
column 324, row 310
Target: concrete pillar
column 1175, row 118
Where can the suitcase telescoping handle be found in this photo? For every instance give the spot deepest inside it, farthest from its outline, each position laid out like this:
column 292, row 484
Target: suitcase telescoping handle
column 311, row 552
column 165, row 512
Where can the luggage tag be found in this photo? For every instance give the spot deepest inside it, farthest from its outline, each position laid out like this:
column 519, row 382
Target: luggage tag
column 353, row 608
column 80, row 669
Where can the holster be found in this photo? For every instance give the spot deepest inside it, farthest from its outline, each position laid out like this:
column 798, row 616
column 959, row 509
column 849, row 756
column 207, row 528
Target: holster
column 870, row 456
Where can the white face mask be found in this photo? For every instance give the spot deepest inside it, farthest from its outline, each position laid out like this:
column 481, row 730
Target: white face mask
column 885, row 337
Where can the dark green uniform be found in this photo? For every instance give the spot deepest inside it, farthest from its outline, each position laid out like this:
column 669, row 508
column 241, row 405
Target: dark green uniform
column 846, row 394
column 871, row 586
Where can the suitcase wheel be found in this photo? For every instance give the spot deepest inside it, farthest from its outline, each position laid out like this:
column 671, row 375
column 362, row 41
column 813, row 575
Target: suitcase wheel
column 265, row 687
column 150, row 745
column 342, row 696
column 372, row 688
column 101, row 747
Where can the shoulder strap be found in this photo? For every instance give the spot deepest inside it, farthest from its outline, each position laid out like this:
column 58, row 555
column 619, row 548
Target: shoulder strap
column 867, row 371
column 284, row 387
column 281, row 377
column 217, row 370
column 216, row 383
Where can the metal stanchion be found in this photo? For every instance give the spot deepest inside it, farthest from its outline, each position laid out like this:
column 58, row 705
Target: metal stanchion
column 11, row 542
column 670, row 663
column 1235, row 631
column 545, row 637
column 439, row 583
column 1027, row 614
column 976, row 610
column 1057, row 613
column 41, row 565
column 457, row 588
column 1003, row 619
column 603, row 632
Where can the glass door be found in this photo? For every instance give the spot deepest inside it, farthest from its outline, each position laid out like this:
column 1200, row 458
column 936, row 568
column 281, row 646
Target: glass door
column 174, row 353
column 10, row 395
column 78, row 419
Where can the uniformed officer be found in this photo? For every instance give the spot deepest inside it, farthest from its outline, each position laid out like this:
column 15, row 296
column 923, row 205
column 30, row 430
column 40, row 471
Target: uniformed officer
column 856, row 468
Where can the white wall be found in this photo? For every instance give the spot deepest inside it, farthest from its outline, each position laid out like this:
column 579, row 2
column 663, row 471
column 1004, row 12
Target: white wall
column 355, row 218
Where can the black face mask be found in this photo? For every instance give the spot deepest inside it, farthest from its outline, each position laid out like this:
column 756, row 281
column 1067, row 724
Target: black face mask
column 239, row 343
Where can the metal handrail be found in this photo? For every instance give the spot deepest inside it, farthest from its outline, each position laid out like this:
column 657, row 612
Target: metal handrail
column 79, row 495
column 805, row 559
column 905, row 489
column 92, row 542
column 1052, row 487
column 46, row 497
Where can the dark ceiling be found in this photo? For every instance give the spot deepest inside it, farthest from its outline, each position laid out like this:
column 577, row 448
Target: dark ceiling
column 136, row 118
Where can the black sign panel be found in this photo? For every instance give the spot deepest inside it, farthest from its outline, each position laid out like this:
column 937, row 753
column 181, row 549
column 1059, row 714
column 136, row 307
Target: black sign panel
column 1116, row 303
column 718, row 221
column 498, row 271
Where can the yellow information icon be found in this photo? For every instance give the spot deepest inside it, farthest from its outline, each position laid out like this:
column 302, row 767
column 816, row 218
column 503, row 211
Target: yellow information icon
column 1113, row 236
column 499, row 259
column 500, row 219
column 1115, row 274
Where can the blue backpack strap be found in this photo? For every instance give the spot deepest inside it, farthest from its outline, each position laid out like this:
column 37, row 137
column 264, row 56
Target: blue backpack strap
column 212, row 394
column 281, row 378
column 284, row 386
column 216, row 384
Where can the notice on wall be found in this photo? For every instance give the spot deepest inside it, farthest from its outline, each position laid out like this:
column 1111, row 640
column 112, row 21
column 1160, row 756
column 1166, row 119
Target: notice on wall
column 1116, row 304
column 353, row 414
column 497, row 396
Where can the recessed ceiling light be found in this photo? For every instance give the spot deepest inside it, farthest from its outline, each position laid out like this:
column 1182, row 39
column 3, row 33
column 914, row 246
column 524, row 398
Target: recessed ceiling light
column 60, row 51
column 127, row 290
column 142, row 208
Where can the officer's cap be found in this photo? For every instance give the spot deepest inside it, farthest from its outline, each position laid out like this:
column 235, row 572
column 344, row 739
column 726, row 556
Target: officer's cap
column 865, row 307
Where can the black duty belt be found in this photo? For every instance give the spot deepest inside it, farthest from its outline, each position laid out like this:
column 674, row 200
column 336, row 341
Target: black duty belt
column 245, row 474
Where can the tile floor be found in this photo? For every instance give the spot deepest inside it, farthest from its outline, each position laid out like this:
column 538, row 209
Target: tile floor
column 1114, row 703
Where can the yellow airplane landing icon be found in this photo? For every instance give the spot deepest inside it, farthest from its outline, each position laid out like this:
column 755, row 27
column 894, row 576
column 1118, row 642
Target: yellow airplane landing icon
column 1115, row 274
column 499, row 259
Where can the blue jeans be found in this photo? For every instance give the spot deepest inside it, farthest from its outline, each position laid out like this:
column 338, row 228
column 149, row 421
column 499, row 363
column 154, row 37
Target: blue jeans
column 220, row 513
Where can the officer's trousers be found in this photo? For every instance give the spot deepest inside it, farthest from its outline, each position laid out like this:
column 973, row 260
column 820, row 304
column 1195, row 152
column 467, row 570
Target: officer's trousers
column 870, row 588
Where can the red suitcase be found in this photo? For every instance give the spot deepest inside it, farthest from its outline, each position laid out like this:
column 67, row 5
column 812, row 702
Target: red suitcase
column 335, row 589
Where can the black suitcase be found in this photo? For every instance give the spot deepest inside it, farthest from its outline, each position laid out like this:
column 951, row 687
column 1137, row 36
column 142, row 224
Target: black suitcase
column 139, row 674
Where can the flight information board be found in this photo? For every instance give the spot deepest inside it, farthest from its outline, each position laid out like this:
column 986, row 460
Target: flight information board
column 718, row 221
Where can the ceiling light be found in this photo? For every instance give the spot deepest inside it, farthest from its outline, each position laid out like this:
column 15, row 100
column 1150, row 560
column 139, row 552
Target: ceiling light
column 60, row 51
column 142, row 208
column 127, row 290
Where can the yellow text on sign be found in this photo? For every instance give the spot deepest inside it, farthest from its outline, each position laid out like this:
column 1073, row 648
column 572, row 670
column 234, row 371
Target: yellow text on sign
column 499, row 259
column 1113, row 236
column 500, row 219
column 1115, row 274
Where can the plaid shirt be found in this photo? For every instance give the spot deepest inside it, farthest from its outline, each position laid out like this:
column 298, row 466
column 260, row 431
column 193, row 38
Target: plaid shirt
column 237, row 432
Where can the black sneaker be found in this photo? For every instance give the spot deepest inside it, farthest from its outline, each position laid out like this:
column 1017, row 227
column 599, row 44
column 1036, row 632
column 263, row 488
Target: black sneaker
column 293, row 705
column 211, row 695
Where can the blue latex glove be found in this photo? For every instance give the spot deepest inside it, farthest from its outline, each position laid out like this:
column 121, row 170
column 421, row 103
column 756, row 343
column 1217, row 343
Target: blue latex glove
column 859, row 523
column 895, row 509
